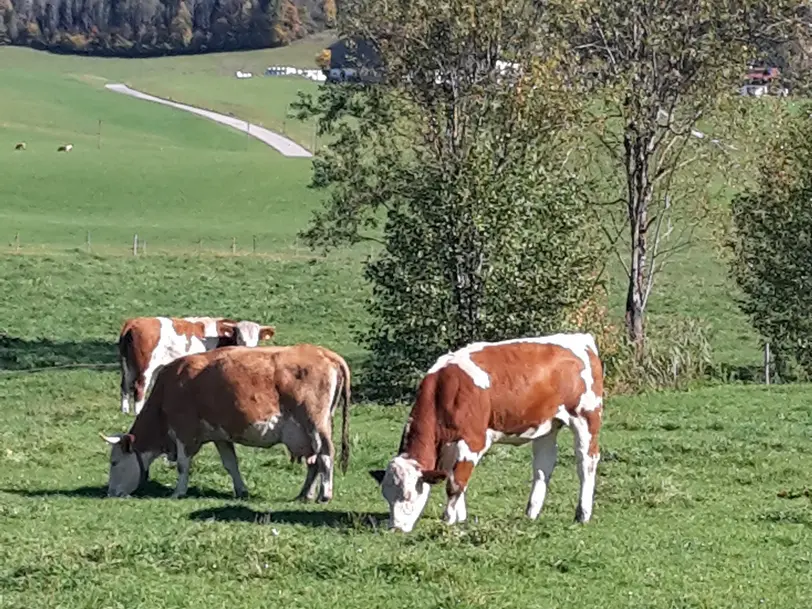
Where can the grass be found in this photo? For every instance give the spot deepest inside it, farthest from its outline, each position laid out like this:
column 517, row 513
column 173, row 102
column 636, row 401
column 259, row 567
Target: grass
column 688, row 514
column 207, row 81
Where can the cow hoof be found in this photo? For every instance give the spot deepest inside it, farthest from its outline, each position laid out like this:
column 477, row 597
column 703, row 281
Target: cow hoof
column 324, row 499
column 242, row 495
column 580, row 517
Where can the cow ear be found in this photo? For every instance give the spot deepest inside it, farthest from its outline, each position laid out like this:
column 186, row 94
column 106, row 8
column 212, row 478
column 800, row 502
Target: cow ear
column 433, row 476
column 226, row 329
column 127, row 441
column 267, row 332
column 378, row 474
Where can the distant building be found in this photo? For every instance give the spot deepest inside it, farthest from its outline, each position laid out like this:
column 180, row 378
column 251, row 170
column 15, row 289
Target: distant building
column 354, row 60
column 763, row 80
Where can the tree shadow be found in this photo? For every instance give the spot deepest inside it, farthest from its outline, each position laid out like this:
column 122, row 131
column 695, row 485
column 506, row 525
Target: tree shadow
column 23, row 355
column 150, row 490
column 315, row 519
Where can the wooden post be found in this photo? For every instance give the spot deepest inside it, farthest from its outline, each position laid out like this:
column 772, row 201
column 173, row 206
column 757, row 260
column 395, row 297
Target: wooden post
column 255, row 244
column 234, row 245
column 767, row 362
column 87, row 241
column 135, row 244
column 17, row 241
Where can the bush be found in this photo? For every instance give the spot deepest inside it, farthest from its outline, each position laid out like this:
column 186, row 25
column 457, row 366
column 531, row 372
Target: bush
column 771, row 246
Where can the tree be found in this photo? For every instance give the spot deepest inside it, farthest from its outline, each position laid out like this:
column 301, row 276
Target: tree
column 771, row 243
column 454, row 166
column 661, row 67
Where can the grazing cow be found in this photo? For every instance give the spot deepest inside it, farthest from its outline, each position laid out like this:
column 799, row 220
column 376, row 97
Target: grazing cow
column 257, row 397
column 20, row 146
column 65, row 148
column 147, row 343
column 511, row 392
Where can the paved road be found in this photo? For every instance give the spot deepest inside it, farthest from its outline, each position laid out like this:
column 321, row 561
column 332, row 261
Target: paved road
column 274, row 140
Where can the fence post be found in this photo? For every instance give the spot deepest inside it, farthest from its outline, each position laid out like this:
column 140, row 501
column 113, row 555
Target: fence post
column 17, row 241
column 234, row 245
column 767, row 362
column 255, row 244
column 87, row 241
column 135, row 244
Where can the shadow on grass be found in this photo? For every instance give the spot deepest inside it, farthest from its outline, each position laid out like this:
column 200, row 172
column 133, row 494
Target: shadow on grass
column 147, row 491
column 315, row 518
column 21, row 355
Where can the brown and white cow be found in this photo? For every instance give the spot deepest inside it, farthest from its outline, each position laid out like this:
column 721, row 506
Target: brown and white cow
column 511, row 392
column 257, row 397
column 145, row 344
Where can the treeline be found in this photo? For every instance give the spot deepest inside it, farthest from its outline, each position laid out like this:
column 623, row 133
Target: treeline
column 131, row 28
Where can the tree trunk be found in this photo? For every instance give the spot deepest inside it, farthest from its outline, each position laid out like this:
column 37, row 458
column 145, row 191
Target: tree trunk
column 639, row 198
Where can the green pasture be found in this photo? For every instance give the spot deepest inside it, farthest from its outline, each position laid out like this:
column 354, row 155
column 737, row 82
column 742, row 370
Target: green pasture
column 702, row 498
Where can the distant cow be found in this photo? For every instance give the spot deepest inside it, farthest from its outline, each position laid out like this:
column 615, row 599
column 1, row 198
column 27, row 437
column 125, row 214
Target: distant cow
column 146, row 344
column 512, row 392
column 256, row 397
column 65, row 148
column 20, row 146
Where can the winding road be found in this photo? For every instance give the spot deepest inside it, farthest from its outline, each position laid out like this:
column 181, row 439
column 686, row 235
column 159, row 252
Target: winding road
column 282, row 144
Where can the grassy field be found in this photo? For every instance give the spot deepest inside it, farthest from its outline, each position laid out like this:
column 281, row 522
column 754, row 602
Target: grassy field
column 688, row 511
column 700, row 503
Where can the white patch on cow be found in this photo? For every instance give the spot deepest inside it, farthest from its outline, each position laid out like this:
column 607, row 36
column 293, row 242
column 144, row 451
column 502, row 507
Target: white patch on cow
column 262, row 434
column 333, row 402
column 405, row 491
column 209, row 325
column 464, row 453
column 248, row 333
column 578, row 344
column 462, row 359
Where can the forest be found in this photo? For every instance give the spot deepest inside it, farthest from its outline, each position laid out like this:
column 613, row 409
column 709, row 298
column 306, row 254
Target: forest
column 133, row 28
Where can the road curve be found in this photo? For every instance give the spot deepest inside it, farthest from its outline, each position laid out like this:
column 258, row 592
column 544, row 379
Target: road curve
column 285, row 146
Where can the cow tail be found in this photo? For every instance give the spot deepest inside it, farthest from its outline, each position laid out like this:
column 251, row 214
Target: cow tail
column 345, row 417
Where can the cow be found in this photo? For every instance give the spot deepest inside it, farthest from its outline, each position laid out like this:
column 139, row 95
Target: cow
column 260, row 397
column 512, row 392
column 20, row 146
column 65, row 148
column 147, row 343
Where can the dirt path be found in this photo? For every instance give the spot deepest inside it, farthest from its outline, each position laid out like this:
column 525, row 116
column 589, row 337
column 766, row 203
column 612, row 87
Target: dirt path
column 285, row 146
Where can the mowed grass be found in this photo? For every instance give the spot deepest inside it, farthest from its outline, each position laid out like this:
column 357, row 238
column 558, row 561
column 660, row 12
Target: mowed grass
column 700, row 503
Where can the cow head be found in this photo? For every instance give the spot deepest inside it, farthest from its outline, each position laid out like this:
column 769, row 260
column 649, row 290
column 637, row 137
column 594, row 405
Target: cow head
column 127, row 467
column 406, row 489
column 249, row 333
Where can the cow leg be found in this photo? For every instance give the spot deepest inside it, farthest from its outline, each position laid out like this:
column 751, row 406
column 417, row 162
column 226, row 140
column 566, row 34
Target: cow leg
column 455, row 509
column 545, row 453
column 228, row 456
column 325, row 462
column 308, row 492
column 126, row 387
column 587, row 457
column 184, row 463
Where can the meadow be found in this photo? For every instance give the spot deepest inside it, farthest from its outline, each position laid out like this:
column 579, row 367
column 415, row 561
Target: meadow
column 702, row 498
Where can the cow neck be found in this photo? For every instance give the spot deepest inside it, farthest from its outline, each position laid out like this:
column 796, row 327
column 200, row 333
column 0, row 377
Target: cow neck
column 150, row 432
column 419, row 441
